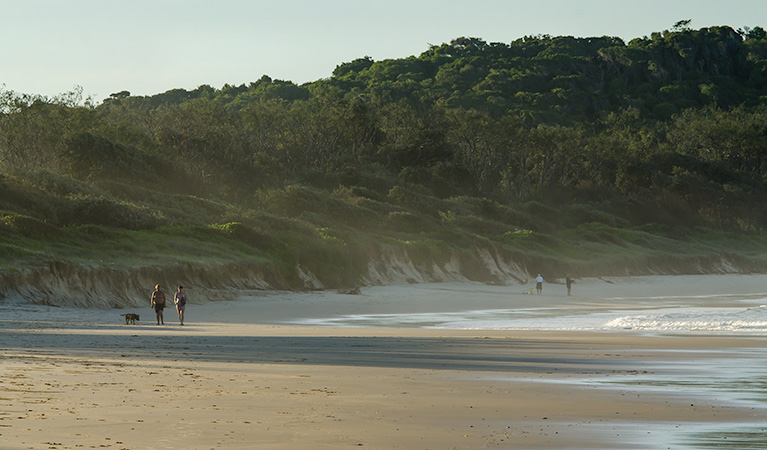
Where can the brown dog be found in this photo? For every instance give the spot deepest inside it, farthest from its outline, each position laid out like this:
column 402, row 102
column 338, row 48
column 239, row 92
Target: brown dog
column 130, row 318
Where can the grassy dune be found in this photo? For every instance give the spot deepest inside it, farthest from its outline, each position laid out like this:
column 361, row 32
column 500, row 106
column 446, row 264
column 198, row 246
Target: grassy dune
column 306, row 237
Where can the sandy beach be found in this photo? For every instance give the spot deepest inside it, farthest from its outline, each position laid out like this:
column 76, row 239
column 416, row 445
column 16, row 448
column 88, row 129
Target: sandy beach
column 254, row 372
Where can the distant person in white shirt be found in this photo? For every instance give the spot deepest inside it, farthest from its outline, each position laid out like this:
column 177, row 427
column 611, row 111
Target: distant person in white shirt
column 539, row 284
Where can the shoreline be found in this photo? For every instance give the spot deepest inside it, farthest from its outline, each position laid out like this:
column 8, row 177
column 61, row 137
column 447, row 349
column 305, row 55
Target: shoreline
column 81, row 379
column 304, row 387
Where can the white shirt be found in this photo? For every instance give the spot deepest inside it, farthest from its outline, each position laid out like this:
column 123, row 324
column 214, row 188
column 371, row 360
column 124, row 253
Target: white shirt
column 539, row 279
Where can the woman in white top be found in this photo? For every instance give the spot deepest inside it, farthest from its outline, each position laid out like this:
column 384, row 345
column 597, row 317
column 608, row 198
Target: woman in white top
column 539, row 284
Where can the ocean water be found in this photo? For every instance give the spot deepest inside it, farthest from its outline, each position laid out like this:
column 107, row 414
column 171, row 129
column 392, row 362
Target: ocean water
column 667, row 315
column 732, row 304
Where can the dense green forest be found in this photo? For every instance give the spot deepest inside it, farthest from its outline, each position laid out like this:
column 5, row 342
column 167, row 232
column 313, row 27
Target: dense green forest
column 572, row 154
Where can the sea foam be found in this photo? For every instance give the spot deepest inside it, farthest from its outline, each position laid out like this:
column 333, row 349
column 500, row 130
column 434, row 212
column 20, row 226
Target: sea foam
column 751, row 320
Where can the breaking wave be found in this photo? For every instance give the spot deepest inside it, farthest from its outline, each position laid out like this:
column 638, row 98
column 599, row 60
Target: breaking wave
column 709, row 320
column 750, row 320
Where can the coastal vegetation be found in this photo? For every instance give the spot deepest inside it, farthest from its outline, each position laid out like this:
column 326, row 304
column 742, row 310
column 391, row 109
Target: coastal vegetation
column 590, row 156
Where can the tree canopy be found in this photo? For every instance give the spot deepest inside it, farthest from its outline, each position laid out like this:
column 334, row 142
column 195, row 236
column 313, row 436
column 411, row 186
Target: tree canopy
column 640, row 131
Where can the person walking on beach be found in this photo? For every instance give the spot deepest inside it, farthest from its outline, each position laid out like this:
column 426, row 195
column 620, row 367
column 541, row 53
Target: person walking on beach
column 180, row 300
column 569, row 282
column 539, row 284
column 158, row 303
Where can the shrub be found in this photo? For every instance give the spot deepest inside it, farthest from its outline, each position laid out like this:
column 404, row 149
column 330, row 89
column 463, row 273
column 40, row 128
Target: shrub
column 94, row 231
column 361, row 191
column 599, row 233
column 106, row 212
column 414, row 198
column 22, row 201
column 29, row 226
column 87, row 156
column 305, row 202
column 542, row 217
column 407, row 222
column 250, row 236
column 56, row 184
column 530, row 240
column 579, row 214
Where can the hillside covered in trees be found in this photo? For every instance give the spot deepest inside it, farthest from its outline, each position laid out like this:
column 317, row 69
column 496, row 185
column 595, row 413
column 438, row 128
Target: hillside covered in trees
column 557, row 154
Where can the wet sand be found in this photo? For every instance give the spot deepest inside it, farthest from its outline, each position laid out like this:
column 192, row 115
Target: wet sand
column 241, row 379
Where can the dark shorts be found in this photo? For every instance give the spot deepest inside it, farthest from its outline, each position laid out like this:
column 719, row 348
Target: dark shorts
column 159, row 307
column 539, row 286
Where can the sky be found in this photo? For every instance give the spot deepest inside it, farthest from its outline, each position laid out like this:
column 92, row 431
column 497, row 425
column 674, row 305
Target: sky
column 147, row 47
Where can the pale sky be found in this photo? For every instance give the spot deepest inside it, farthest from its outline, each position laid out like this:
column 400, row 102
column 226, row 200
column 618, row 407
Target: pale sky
column 151, row 46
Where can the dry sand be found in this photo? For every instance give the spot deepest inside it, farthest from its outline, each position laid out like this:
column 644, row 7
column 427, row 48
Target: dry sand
column 240, row 380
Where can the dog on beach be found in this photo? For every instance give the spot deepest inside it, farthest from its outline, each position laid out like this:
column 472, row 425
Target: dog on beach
column 130, row 318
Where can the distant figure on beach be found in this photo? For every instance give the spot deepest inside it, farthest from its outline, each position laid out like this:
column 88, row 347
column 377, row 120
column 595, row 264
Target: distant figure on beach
column 180, row 300
column 569, row 282
column 158, row 303
column 539, row 284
